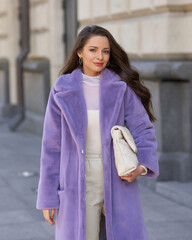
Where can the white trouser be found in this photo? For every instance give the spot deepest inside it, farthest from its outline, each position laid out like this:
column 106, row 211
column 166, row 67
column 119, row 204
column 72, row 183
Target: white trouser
column 94, row 195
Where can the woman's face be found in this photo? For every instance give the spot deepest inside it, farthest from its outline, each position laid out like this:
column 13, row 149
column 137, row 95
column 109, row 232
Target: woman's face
column 95, row 55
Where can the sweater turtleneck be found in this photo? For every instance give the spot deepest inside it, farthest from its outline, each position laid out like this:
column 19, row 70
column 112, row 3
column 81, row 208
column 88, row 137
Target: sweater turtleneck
column 91, row 86
column 91, row 80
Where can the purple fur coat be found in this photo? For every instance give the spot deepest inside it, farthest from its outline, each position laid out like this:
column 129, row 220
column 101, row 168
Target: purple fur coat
column 62, row 174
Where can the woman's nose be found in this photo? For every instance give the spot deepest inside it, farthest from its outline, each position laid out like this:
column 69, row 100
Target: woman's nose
column 100, row 55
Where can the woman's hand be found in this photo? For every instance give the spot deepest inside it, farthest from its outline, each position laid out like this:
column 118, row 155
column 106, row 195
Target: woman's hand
column 49, row 215
column 133, row 175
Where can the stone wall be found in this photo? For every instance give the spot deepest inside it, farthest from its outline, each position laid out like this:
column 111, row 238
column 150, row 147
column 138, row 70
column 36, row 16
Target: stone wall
column 9, row 40
column 145, row 29
column 46, row 47
column 46, row 36
column 46, row 18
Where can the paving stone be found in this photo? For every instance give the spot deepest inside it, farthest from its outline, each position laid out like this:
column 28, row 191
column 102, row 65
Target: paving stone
column 9, row 200
column 169, row 231
column 15, row 216
column 27, row 231
column 176, row 191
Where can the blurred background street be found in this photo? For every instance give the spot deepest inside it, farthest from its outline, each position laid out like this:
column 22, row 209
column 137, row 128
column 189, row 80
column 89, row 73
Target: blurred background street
column 35, row 38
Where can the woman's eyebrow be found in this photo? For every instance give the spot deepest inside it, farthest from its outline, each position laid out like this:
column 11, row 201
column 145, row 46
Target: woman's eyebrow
column 97, row 47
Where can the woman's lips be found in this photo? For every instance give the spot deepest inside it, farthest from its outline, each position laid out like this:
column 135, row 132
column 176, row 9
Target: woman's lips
column 98, row 64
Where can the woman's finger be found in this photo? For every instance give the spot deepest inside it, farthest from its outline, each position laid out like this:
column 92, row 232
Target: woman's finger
column 46, row 214
column 52, row 214
column 130, row 178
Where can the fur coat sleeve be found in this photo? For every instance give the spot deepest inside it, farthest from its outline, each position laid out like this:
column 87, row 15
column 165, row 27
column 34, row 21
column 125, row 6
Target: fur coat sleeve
column 50, row 157
column 143, row 132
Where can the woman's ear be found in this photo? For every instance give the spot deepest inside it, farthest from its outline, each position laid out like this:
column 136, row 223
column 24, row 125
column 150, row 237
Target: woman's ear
column 79, row 54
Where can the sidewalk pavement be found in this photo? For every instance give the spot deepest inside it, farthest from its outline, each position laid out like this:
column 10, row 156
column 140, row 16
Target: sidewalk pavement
column 19, row 174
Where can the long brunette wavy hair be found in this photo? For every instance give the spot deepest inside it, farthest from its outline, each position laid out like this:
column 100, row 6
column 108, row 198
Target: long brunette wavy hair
column 119, row 63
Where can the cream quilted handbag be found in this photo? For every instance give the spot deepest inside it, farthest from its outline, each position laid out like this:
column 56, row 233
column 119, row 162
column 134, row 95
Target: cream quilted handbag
column 125, row 150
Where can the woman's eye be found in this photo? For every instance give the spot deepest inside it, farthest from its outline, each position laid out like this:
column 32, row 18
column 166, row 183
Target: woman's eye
column 92, row 50
column 106, row 51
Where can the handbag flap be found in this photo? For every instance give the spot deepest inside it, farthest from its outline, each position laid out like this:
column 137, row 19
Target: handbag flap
column 126, row 135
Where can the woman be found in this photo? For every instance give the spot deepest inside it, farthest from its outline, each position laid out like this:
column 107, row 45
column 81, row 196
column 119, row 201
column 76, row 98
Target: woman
column 97, row 89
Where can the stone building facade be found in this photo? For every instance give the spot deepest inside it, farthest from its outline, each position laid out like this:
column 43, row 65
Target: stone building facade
column 157, row 36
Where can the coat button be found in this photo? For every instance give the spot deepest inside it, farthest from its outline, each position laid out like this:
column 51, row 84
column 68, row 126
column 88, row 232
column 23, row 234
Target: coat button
column 82, row 151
